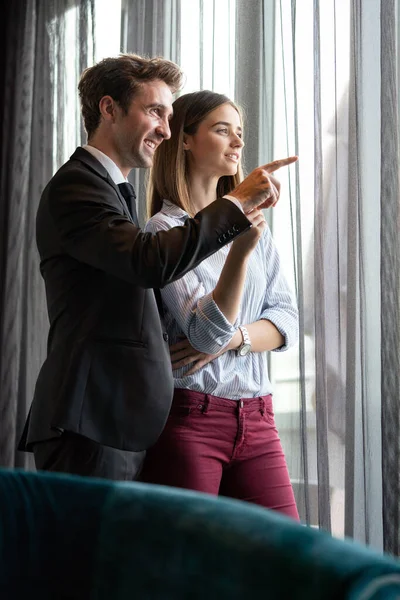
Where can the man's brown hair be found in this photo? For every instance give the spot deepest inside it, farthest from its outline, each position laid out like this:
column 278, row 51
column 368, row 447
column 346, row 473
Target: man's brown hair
column 120, row 77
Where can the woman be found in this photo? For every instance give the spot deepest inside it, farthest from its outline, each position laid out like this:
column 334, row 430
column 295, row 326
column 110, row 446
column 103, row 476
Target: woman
column 236, row 306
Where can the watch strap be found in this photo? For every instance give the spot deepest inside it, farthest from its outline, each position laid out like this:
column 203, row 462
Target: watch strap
column 246, row 342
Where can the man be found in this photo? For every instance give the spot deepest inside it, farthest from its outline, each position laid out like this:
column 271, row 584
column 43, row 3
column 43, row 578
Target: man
column 104, row 391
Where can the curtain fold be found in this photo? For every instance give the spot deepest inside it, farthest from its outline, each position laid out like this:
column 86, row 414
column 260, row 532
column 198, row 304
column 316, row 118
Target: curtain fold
column 258, row 25
column 32, row 146
column 390, row 278
column 347, row 188
column 254, row 70
column 363, row 429
column 17, row 122
column 320, row 287
column 149, row 28
column 303, row 498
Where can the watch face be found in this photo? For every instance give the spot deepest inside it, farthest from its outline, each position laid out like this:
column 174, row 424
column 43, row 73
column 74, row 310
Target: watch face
column 245, row 349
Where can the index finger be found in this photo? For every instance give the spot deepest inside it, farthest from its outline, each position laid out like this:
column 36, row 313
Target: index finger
column 277, row 164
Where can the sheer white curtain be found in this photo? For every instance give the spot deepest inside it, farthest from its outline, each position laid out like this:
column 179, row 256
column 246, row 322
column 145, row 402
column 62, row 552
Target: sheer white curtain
column 336, row 106
column 149, row 28
column 333, row 70
column 208, row 42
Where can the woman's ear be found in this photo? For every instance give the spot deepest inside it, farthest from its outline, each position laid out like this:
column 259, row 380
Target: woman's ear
column 186, row 145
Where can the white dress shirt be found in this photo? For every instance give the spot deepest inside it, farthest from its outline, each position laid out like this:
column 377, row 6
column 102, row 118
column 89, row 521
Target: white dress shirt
column 110, row 166
column 190, row 311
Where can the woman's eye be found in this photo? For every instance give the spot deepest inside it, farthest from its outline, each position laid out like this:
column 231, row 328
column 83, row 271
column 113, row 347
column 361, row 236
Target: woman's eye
column 222, row 130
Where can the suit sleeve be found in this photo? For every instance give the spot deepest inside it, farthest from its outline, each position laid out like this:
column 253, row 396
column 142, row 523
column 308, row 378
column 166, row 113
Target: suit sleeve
column 93, row 229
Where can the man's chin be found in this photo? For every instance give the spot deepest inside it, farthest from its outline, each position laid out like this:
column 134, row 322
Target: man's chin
column 143, row 162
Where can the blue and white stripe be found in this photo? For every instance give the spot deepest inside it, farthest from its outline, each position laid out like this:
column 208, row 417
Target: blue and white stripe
column 190, row 311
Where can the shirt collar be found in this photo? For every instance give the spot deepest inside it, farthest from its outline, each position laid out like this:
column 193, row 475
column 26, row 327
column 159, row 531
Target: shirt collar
column 170, row 209
column 110, row 166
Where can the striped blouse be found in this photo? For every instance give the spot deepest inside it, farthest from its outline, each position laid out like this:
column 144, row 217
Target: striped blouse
column 190, row 311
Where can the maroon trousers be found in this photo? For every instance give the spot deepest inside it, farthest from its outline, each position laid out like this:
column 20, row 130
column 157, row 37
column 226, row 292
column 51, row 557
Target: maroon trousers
column 225, row 447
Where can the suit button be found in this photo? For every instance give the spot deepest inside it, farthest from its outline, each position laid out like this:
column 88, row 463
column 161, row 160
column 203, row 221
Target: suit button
column 231, row 233
column 220, row 240
column 165, row 336
column 236, row 228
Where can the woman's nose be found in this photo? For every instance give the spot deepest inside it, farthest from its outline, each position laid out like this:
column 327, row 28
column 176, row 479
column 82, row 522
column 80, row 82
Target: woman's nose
column 237, row 142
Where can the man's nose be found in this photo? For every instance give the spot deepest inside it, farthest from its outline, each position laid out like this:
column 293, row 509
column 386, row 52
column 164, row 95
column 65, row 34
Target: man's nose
column 164, row 130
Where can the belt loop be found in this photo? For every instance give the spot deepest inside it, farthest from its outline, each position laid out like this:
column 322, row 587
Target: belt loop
column 206, row 403
column 262, row 405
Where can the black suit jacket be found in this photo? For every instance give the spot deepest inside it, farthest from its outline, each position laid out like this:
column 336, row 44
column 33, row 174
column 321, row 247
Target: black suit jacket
column 108, row 375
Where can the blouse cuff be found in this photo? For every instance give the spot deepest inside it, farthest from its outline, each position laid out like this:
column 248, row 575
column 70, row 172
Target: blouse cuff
column 214, row 321
column 289, row 330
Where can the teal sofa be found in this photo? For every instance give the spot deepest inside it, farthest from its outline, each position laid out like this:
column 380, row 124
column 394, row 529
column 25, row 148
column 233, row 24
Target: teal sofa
column 65, row 537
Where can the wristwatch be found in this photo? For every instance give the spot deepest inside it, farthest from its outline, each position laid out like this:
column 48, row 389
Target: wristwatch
column 245, row 346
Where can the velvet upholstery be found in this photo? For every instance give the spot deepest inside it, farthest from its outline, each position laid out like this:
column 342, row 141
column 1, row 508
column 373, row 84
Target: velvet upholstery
column 70, row 537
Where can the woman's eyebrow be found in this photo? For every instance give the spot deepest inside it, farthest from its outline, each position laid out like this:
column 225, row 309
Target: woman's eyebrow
column 225, row 123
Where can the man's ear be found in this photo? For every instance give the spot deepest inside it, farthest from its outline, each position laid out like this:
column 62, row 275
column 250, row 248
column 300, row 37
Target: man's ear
column 107, row 108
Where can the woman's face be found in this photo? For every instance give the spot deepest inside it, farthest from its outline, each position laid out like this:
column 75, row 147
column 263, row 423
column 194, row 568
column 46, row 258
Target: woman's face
column 216, row 147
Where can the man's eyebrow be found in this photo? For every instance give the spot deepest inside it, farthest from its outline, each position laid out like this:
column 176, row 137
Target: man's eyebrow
column 225, row 123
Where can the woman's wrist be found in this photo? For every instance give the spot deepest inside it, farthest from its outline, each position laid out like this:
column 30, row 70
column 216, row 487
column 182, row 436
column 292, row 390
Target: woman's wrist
column 236, row 340
column 240, row 252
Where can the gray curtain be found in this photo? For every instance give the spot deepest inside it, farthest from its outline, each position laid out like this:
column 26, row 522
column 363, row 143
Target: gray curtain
column 390, row 279
column 373, row 367
column 149, row 28
column 254, row 70
column 32, row 147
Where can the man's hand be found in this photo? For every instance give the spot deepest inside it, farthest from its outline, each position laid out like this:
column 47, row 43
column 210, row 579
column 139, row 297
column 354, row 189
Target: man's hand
column 183, row 353
column 260, row 189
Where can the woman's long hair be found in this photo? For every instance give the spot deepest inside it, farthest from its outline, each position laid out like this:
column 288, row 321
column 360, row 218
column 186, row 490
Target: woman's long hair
column 169, row 174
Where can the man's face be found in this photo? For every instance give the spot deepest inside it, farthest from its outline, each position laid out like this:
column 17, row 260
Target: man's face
column 137, row 134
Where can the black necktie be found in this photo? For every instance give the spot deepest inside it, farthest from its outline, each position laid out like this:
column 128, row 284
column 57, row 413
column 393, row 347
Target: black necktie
column 128, row 193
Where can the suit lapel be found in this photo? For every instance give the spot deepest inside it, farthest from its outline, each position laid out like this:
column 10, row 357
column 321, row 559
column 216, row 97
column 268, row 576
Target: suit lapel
column 94, row 165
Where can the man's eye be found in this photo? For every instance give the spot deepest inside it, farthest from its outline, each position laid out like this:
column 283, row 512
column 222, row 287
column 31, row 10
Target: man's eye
column 156, row 111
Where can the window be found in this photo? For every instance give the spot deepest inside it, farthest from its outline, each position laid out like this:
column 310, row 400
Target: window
column 66, row 101
column 208, row 45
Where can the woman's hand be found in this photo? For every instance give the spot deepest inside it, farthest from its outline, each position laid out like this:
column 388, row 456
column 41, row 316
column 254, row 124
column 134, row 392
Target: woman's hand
column 245, row 243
